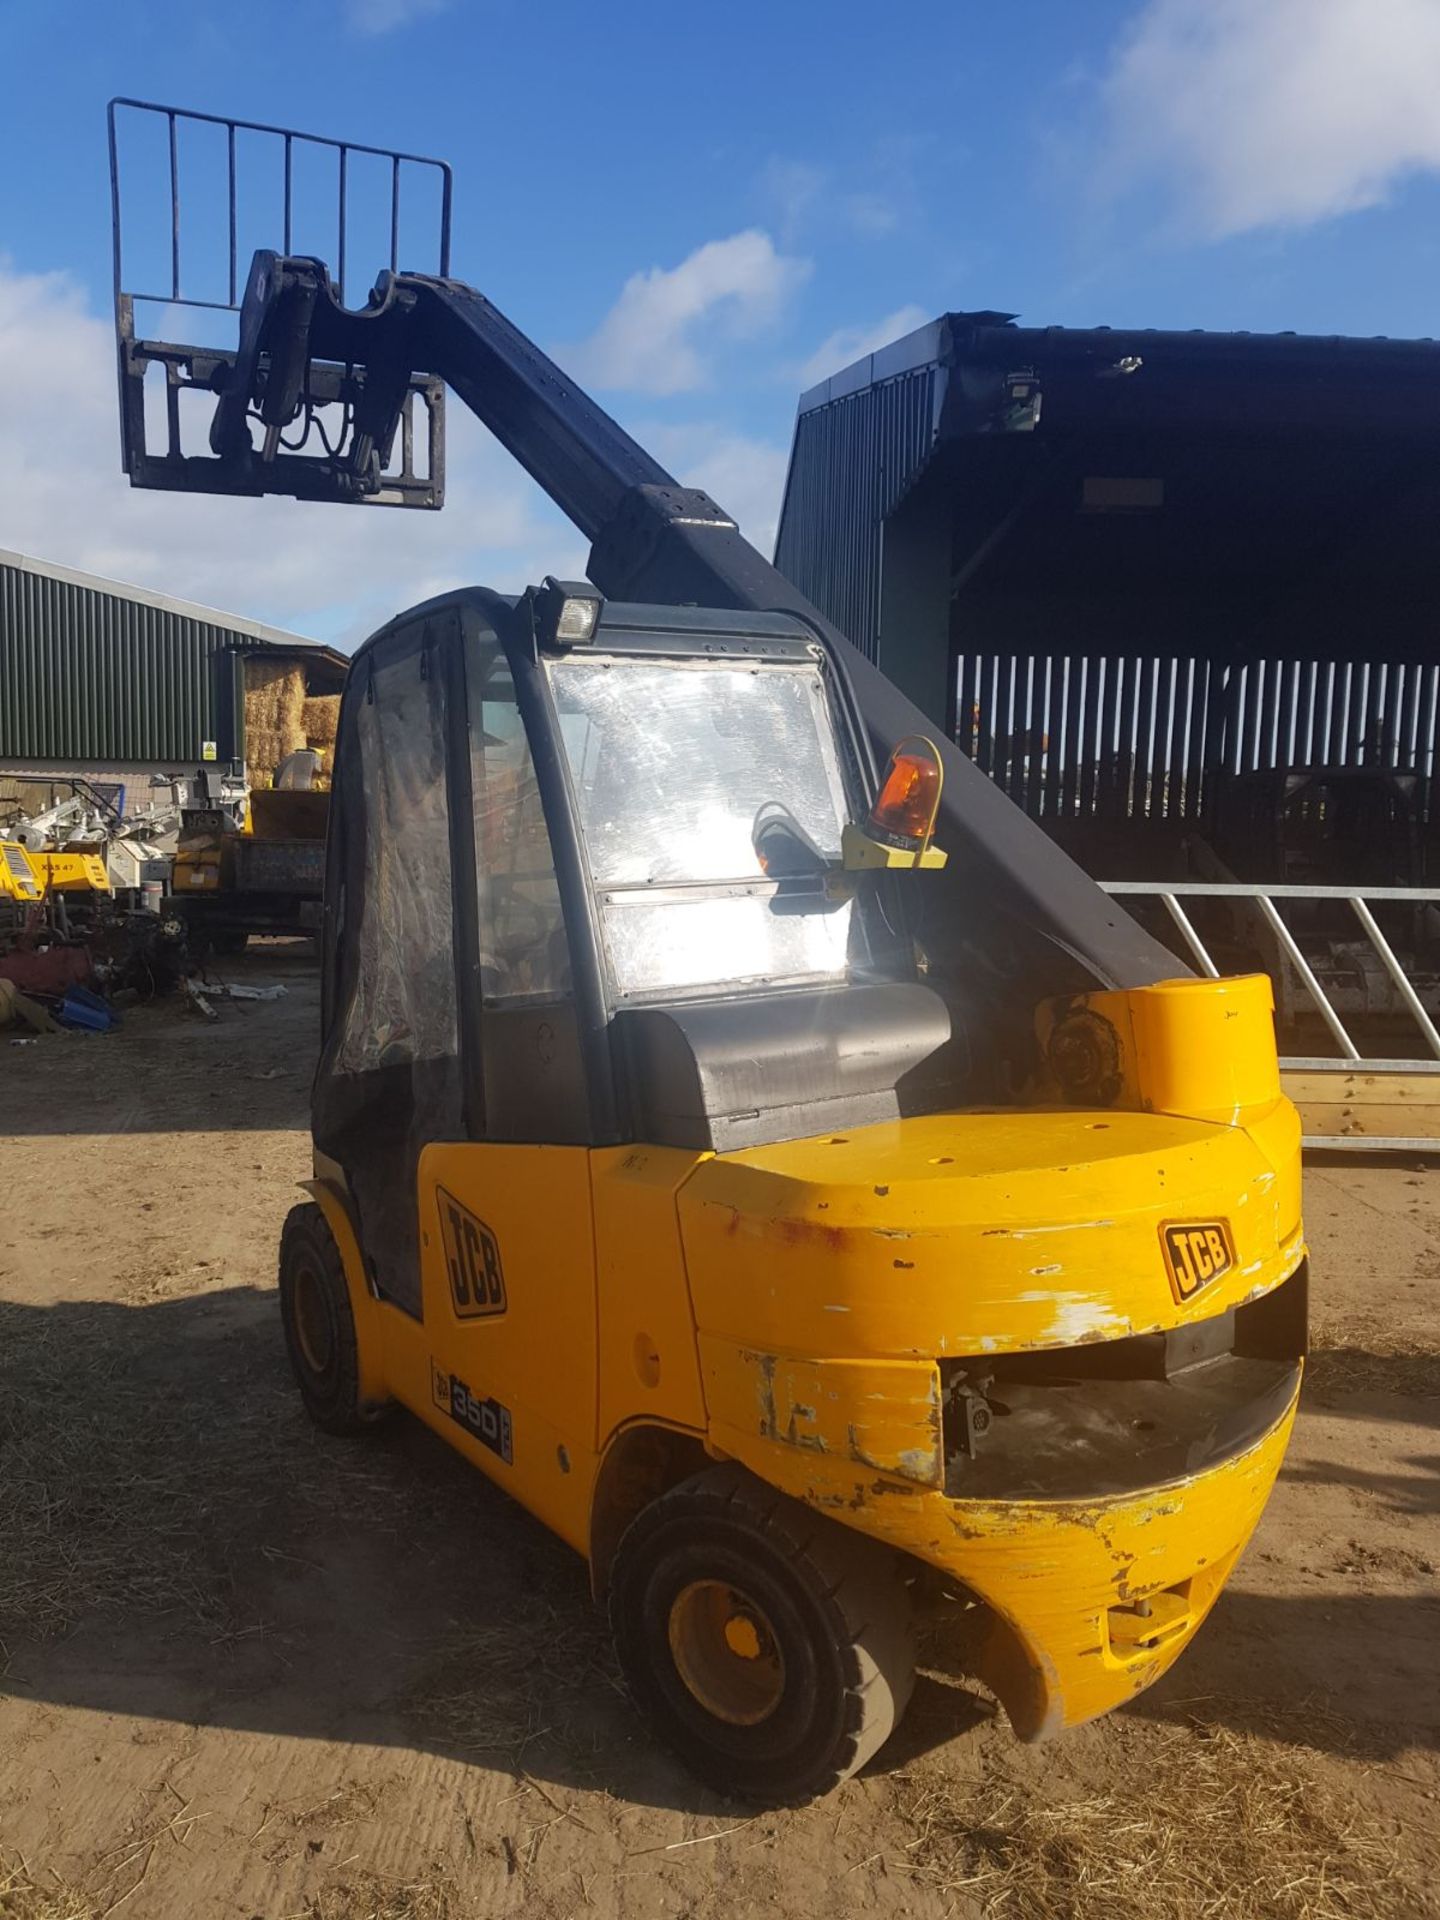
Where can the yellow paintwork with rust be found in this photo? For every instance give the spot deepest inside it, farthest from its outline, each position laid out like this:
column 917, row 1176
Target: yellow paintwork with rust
column 789, row 1305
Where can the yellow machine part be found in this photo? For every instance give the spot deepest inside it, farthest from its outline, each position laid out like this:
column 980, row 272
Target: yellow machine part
column 790, row 1306
column 204, row 862
column 72, row 872
column 1089, row 1602
column 1051, row 1217
column 19, row 879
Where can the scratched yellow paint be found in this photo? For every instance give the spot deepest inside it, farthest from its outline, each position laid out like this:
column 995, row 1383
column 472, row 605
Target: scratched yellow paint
column 983, row 1232
column 883, row 1414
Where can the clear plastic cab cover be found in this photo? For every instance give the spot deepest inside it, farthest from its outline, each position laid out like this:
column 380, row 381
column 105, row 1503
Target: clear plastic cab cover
column 712, row 798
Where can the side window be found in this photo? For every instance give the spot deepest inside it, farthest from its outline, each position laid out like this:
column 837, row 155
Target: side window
column 524, row 956
column 403, row 1008
column 390, row 1073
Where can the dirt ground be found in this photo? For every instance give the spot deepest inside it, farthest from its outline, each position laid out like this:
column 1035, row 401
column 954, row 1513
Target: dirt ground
column 251, row 1671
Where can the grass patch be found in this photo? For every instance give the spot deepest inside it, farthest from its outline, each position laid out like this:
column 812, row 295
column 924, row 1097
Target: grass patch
column 1201, row 1824
column 24, row 1897
column 372, row 1896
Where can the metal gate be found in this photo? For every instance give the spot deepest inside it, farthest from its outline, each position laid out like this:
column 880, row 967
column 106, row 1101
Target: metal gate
column 1352, row 1099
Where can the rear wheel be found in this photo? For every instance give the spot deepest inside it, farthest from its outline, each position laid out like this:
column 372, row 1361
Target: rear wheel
column 319, row 1324
column 770, row 1647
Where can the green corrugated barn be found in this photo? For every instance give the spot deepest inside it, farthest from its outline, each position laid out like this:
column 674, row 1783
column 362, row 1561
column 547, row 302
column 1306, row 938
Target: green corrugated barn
column 109, row 680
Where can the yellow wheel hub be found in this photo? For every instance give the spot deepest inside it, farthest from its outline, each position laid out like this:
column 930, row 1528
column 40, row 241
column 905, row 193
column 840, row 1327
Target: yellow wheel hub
column 742, row 1636
column 725, row 1651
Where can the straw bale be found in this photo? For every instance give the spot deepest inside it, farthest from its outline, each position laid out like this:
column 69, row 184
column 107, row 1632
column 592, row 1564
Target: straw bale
column 275, row 694
column 262, row 746
column 321, row 720
column 266, row 748
column 274, row 715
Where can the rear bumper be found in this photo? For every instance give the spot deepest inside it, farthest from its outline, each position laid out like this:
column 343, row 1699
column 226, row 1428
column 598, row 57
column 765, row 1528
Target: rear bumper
column 1086, row 1602
column 1090, row 1602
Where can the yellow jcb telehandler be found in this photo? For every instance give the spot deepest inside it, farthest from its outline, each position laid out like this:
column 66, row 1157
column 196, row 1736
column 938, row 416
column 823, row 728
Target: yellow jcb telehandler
column 761, row 1152
column 640, row 1176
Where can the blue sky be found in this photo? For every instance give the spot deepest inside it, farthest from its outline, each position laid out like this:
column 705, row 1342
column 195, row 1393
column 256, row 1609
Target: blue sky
column 702, row 211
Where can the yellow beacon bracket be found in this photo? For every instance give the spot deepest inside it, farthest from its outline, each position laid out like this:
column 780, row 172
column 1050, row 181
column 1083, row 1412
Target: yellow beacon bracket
column 900, row 827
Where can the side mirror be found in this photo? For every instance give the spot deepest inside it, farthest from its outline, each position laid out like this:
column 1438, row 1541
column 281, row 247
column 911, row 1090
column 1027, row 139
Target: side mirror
column 899, row 828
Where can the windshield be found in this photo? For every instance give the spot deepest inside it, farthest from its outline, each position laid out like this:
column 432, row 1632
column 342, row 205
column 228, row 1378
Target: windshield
column 674, row 765
column 684, row 775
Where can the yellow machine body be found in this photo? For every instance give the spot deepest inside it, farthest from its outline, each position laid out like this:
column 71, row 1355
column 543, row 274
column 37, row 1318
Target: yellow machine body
column 589, row 1315
column 204, row 860
column 20, row 879
column 72, row 871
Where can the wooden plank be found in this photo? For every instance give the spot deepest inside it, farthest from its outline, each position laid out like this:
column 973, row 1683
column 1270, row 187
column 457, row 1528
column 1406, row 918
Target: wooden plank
column 1361, row 1105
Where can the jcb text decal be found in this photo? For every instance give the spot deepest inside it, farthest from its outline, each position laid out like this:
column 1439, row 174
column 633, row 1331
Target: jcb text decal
column 1196, row 1252
column 472, row 1260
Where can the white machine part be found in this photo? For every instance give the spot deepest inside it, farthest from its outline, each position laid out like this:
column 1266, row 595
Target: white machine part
column 134, row 860
column 297, row 771
column 138, row 848
column 73, row 824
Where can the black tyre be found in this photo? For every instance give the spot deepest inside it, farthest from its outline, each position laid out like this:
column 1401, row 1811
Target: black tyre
column 771, row 1648
column 319, row 1325
column 230, row 941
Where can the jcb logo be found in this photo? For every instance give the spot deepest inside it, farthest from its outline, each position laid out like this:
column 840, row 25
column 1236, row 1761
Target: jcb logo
column 1196, row 1252
column 472, row 1260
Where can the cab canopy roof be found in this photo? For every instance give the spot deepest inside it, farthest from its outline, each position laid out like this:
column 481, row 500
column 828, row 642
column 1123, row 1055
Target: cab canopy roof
column 698, row 631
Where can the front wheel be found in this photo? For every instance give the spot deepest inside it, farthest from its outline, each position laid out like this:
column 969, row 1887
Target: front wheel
column 769, row 1647
column 319, row 1324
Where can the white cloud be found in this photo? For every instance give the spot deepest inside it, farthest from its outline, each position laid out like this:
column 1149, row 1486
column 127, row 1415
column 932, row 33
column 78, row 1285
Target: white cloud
column 334, row 572
column 658, row 336
column 1274, row 113
column 374, row 17
column 848, row 344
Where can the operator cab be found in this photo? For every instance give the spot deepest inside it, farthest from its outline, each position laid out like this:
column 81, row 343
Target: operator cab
column 596, row 875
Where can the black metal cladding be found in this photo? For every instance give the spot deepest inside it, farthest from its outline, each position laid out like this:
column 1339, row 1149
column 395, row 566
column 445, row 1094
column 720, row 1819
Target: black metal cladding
column 1276, row 614
column 98, row 676
column 852, row 462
